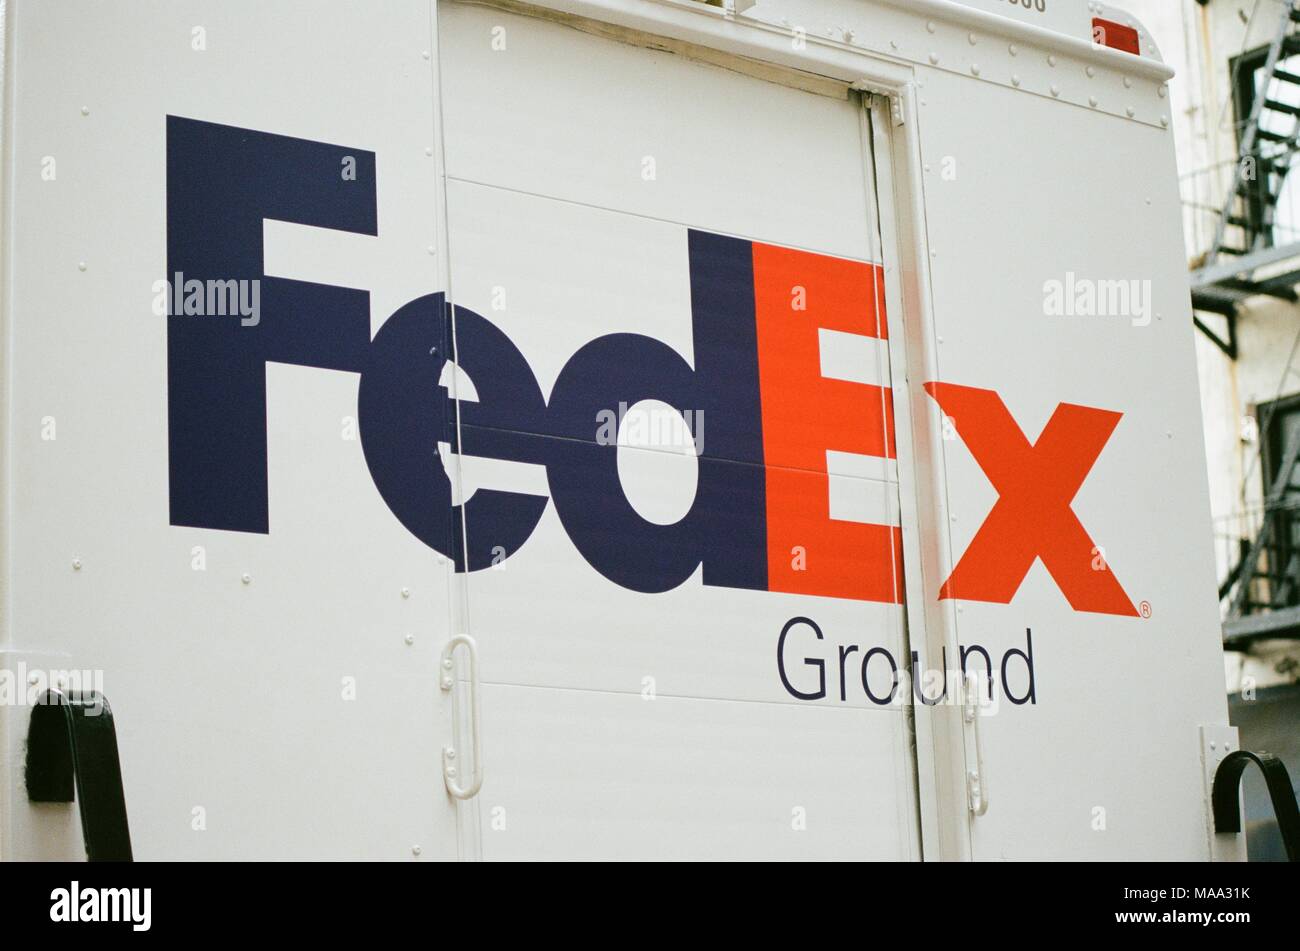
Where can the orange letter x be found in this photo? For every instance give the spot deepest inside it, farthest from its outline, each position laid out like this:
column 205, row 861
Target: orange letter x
column 1032, row 517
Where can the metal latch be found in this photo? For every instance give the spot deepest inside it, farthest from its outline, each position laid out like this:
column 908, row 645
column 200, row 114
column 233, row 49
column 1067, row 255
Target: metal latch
column 977, row 784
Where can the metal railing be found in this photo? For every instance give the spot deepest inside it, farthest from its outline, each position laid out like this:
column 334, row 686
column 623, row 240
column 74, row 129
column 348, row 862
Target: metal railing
column 1204, row 195
column 1276, row 581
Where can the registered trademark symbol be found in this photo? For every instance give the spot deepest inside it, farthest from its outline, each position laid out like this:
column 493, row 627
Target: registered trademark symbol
column 1145, row 608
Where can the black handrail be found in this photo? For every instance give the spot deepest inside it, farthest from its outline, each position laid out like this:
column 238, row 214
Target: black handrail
column 1226, row 796
column 72, row 748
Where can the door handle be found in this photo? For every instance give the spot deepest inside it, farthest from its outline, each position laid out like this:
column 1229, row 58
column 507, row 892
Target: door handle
column 450, row 771
column 72, row 753
column 1225, row 796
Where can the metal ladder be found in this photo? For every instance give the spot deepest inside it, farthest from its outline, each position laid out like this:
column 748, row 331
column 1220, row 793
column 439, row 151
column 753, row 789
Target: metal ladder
column 1251, row 200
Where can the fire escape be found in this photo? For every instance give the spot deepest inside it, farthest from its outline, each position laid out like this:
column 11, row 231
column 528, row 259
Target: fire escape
column 1244, row 258
column 1252, row 250
column 1261, row 593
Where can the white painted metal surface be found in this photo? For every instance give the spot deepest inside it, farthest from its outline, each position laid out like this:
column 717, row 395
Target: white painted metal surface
column 584, row 180
column 237, row 734
column 1146, row 490
column 558, row 218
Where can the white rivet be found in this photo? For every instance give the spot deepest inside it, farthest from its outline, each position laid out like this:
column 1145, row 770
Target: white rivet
column 1164, row 121
column 424, row 53
column 33, row 678
column 81, row 265
column 451, row 772
column 432, row 250
column 934, row 59
column 1056, row 91
column 971, row 39
column 76, row 564
column 1092, row 101
column 1128, row 83
column 1130, row 112
column 416, row 850
column 893, row 44
column 428, row 150
column 85, row 110
column 1163, row 91
column 451, row 753
column 1051, row 61
column 406, row 592
column 446, row 683
column 974, row 69
column 410, row 639
column 940, row 339
column 930, row 26
column 1091, row 72
column 1015, row 79
column 1013, row 49
column 447, row 664
column 246, row 578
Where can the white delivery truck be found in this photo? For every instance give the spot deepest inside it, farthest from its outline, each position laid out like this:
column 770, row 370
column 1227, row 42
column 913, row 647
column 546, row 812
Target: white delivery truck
column 601, row 429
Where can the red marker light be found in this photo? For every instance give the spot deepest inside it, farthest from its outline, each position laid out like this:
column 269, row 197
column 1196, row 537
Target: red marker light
column 1115, row 35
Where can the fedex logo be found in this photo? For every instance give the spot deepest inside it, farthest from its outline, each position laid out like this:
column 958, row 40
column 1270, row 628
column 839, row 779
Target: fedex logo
column 763, row 489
